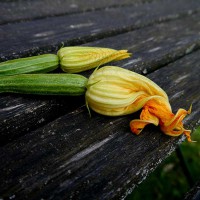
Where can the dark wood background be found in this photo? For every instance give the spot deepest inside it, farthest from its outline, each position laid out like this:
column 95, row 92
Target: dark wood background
column 50, row 147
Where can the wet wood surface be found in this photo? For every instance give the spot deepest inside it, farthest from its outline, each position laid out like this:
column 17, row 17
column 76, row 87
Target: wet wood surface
column 50, row 147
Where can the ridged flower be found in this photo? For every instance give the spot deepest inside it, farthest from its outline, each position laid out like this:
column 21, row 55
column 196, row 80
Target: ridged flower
column 114, row 91
column 80, row 58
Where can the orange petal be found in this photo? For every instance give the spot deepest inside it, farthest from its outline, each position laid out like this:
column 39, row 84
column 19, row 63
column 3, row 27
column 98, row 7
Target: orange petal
column 146, row 115
column 158, row 112
column 137, row 125
column 174, row 127
column 161, row 109
column 187, row 134
column 145, row 118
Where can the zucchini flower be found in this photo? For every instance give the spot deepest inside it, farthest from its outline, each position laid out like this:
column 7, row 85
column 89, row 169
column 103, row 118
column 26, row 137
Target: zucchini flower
column 80, row 58
column 115, row 91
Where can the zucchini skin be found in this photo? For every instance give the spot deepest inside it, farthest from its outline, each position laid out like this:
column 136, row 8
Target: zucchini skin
column 35, row 64
column 44, row 84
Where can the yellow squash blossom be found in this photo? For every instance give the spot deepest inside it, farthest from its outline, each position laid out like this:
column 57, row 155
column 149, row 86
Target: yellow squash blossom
column 114, row 91
column 80, row 58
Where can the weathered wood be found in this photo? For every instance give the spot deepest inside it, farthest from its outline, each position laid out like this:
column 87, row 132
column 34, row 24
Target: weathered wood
column 47, row 35
column 157, row 45
column 152, row 47
column 21, row 10
column 194, row 193
column 79, row 157
column 72, row 155
column 22, row 113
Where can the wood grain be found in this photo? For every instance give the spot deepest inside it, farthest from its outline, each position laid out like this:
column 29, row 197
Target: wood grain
column 152, row 48
column 50, row 147
column 194, row 193
column 78, row 157
column 22, row 10
column 47, row 35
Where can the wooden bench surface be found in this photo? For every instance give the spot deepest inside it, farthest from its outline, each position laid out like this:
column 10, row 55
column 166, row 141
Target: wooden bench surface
column 50, row 147
column 194, row 193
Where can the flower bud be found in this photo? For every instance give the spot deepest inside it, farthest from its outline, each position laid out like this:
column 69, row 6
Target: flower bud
column 80, row 58
column 115, row 91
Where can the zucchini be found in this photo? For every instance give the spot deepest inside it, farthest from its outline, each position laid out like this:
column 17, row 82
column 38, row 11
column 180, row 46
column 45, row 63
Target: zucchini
column 35, row 64
column 44, row 84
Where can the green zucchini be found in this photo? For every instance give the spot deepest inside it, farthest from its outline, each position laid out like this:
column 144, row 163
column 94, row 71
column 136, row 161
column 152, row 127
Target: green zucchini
column 35, row 64
column 44, row 84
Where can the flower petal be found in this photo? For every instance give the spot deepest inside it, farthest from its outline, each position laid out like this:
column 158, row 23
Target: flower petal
column 116, row 91
column 79, row 58
column 145, row 118
column 175, row 126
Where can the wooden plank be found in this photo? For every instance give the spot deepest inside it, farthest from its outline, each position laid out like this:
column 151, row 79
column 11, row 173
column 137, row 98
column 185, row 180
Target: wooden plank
column 78, row 157
column 47, row 35
column 21, row 10
column 22, row 113
column 157, row 45
column 194, row 193
column 152, row 47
